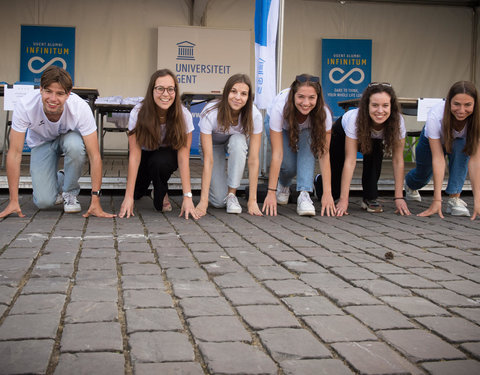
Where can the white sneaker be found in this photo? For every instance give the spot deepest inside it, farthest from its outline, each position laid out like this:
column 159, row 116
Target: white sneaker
column 70, row 203
column 233, row 207
column 305, row 205
column 412, row 195
column 283, row 194
column 59, row 199
column 457, row 207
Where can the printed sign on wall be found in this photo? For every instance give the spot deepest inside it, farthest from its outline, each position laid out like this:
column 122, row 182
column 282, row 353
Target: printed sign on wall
column 203, row 58
column 346, row 70
column 42, row 46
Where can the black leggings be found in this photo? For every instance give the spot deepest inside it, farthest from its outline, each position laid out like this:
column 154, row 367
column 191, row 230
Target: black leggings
column 155, row 167
column 372, row 165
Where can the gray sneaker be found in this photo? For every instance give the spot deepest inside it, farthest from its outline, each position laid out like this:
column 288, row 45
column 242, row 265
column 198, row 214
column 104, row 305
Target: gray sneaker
column 412, row 195
column 233, row 207
column 457, row 207
column 283, row 194
column 70, row 203
column 305, row 205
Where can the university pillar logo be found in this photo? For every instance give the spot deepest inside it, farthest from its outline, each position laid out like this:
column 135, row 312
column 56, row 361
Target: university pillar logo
column 185, row 51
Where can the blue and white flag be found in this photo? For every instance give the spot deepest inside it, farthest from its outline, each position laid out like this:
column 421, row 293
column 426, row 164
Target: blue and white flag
column 266, row 24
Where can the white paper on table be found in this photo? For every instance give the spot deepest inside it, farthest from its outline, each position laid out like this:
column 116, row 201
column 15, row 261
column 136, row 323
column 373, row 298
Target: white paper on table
column 424, row 106
column 13, row 94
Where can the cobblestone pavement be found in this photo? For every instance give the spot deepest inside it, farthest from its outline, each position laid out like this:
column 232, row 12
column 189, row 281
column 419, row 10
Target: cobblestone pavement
column 236, row 294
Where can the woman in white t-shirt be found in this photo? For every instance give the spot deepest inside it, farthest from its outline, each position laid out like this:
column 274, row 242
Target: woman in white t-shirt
column 233, row 126
column 452, row 129
column 159, row 140
column 374, row 128
column 299, row 126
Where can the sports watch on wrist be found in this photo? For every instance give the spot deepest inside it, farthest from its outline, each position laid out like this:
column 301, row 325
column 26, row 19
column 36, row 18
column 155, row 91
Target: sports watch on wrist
column 97, row 193
column 188, row 195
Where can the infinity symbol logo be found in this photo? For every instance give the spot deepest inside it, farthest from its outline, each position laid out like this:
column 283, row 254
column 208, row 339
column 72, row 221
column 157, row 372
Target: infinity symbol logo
column 341, row 71
column 37, row 58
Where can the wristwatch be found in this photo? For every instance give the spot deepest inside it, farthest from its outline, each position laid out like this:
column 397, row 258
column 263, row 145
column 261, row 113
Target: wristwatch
column 188, row 195
column 97, row 193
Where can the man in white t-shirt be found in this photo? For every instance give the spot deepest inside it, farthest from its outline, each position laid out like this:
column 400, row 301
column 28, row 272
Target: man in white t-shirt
column 58, row 122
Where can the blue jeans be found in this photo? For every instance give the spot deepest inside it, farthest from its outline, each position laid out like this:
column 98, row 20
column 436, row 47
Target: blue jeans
column 423, row 172
column 46, row 181
column 300, row 163
column 237, row 148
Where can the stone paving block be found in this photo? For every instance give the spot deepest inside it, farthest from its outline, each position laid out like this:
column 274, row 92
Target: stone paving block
column 286, row 256
column 380, row 317
column 350, row 296
column 235, row 280
column 138, row 246
column 315, row 367
column 160, row 347
column 91, row 293
column 353, row 273
column 435, row 274
column 456, row 267
column 452, row 328
column 129, row 269
column 185, row 289
column 263, row 273
column 372, row 357
column 472, row 314
column 414, row 306
column 218, row 329
column 90, row 363
column 177, row 262
column 57, row 257
column 25, row 357
column 84, row 312
column 17, row 265
column 459, row 367
column 333, row 261
column 323, row 280
column 267, row 316
column 246, row 360
column 19, row 252
column 91, row 337
column 411, row 281
column 384, row 268
column 103, row 253
column 133, row 257
column 409, row 262
column 142, row 282
column 337, row 328
column 250, row 296
column 445, row 297
column 419, row 345
column 250, row 257
column 303, row 267
column 38, row 304
column 6, row 294
column 312, row 305
column 188, row 274
column 284, row 288
column 30, row 326
column 46, row 285
column 152, row 320
column 380, row 288
column 144, row 298
column 169, row 368
column 210, row 256
column 96, row 264
column 52, row 270
column 205, row 306
column 465, row 287
column 205, row 247
column 290, row 343
column 222, row 267
column 98, row 242
column 96, row 278
column 473, row 348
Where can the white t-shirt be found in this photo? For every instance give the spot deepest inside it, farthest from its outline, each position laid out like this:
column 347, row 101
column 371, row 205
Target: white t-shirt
column 208, row 124
column 433, row 126
column 132, row 121
column 349, row 125
column 278, row 123
column 29, row 114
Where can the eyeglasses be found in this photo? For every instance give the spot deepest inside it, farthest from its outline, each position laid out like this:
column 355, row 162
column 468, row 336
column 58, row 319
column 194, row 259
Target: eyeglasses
column 160, row 89
column 386, row 84
column 304, row 78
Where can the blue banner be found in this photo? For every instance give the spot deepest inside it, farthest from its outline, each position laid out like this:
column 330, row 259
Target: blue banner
column 196, row 109
column 346, row 70
column 42, row 46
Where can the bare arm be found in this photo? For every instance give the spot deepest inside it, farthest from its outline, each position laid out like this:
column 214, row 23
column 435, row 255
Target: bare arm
column 438, row 164
column 399, row 175
column 207, row 151
column 91, row 145
column 134, row 157
column 14, row 159
column 270, row 203
column 183, row 156
column 253, row 167
column 474, row 175
column 351, row 146
column 328, row 205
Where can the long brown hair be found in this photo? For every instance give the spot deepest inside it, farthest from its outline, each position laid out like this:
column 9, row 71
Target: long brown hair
column 317, row 115
column 224, row 114
column 391, row 126
column 148, row 124
column 473, row 121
